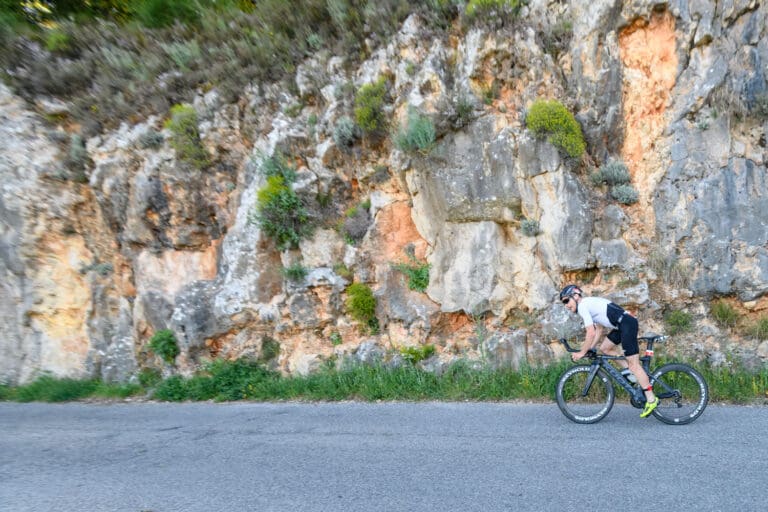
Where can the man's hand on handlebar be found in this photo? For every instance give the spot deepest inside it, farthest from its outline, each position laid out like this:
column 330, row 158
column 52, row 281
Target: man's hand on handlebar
column 578, row 355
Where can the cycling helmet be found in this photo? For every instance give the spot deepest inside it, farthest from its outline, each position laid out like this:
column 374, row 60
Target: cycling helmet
column 569, row 291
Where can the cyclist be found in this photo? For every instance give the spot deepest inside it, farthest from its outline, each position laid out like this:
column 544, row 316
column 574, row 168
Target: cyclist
column 604, row 318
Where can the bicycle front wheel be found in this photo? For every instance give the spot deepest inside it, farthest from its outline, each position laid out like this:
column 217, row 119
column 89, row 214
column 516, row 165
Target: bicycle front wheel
column 583, row 401
column 682, row 391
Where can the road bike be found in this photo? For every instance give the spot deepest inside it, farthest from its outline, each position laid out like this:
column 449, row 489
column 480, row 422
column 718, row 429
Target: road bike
column 585, row 393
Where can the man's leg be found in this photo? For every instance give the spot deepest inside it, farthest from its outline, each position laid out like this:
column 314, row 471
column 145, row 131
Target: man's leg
column 610, row 348
column 633, row 362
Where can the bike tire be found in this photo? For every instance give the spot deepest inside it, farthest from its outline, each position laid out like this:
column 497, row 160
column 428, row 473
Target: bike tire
column 584, row 409
column 682, row 391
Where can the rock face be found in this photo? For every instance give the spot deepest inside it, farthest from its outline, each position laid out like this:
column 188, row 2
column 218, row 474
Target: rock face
column 94, row 262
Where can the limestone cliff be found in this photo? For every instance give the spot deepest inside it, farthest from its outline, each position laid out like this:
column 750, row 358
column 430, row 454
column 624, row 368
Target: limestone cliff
column 91, row 268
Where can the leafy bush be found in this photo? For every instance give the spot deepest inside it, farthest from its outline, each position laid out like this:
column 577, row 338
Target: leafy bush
column 669, row 269
column 281, row 213
column 759, row 329
column 557, row 37
column 612, row 173
column 336, row 338
column 162, row 13
column 678, row 322
column 369, row 107
column 484, row 7
column 759, row 107
column 361, row 304
column 150, row 139
column 341, row 270
column 270, row 349
column 724, row 314
column 417, row 135
column 463, row 111
column 172, row 389
column 278, row 165
column 345, row 133
column 529, row 227
column 185, row 137
column 356, row 222
column 416, row 272
column 552, row 119
column 417, row 353
column 295, row 272
column 149, row 377
column 163, row 343
column 57, row 41
column 625, row 194
column 77, row 160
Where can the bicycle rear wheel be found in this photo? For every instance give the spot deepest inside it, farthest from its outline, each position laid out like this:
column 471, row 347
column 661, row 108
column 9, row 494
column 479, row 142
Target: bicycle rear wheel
column 579, row 403
column 682, row 391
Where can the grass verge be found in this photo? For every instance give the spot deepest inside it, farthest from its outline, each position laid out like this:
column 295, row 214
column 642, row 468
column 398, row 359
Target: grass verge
column 248, row 380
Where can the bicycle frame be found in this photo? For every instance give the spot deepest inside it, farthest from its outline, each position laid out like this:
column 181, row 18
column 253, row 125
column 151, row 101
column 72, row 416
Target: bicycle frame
column 600, row 361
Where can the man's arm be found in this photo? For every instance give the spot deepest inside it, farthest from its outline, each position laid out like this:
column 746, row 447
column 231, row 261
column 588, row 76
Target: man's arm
column 594, row 333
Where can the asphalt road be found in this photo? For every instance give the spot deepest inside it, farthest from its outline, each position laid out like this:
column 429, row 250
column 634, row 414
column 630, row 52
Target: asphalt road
column 375, row 457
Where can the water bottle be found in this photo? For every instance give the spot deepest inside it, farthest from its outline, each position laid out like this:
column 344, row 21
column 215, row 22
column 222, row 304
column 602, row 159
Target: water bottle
column 629, row 376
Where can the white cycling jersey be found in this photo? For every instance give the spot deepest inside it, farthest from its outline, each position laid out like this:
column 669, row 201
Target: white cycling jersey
column 594, row 310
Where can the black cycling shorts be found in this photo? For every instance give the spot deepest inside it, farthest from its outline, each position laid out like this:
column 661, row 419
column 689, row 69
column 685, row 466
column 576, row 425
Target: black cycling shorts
column 626, row 330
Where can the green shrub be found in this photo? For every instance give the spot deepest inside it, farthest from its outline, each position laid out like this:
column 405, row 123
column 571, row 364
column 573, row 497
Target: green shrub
column 484, row 7
column 295, row 272
column 342, row 271
column 345, row 133
column 759, row 107
column 416, row 272
column 678, row 322
column 612, row 173
column 163, row 343
column 463, row 111
column 557, row 38
column 759, row 329
column 277, row 165
column 490, row 92
column 172, row 389
column 625, row 194
column 356, row 222
column 185, row 137
column 417, row 353
column 149, row 377
column 270, row 349
column 417, row 135
column 150, row 139
column 162, row 13
column 669, row 269
column 184, row 54
column 724, row 314
column 58, row 41
column 361, row 304
column 369, row 107
column 281, row 213
column 552, row 119
column 336, row 338
column 77, row 160
column 529, row 227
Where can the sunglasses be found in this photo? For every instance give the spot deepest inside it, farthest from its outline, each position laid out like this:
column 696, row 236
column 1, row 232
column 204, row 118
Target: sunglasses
column 566, row 300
